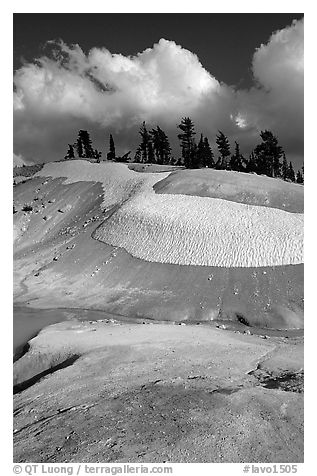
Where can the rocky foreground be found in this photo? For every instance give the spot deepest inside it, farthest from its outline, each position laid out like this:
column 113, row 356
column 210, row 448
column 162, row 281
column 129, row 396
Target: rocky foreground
column 109, row 392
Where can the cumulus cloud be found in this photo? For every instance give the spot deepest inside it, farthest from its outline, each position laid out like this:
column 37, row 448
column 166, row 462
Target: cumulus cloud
column 104, row 92
column 276, row 101
column 18, row 161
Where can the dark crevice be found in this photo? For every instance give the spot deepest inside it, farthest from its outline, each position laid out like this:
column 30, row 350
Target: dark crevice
column 20, row 351
column 44, row 419
column 227, row 390
column 287, row 381
column 242, row 320
column 31, row 381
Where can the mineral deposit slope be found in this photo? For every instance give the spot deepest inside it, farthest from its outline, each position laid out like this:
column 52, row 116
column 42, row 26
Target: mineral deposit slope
column 58, row 263
column 182, row 229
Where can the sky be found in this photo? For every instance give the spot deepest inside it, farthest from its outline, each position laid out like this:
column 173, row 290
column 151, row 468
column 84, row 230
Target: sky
column 107, row 73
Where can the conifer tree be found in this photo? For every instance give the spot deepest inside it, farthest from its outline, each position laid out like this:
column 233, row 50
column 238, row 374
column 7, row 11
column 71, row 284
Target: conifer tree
column 291, row 173
column 97, row 155
column 112, row 150
column 70, row 152
column 161, row 146
column 236, row 161
column 156, row 143
column 193, row 157
column 165, row 148
column 224, row 150
column 299, row 177
column 201, row 152
column 79, row 148
column 208, row 154
column 204, row 155
column 137, row 156
column 250, row 164
column 268, row 154
column 84, row 145
column 87, row 144
column 150, row 153
column 284, row 168
column 187, row 141
column 145, row 141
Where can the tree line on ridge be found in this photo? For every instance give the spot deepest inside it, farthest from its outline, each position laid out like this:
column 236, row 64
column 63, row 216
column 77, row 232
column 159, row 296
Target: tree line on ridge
column 267, row 158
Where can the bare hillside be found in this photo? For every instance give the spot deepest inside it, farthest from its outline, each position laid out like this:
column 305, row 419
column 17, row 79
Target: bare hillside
column 80, row 229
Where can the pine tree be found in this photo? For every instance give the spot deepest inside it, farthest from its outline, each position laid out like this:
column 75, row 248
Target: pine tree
column 70, row 152
column 150, row 153
column 112, row 150
column 137, row 156
column 224, row 150
column 284, row 169
column 87, row 144
column 165, row 148
column 237, row 160
column 250, row 164
column 84, row 145
column 79, row 148
column 144, row 146
column 291, row 173
column 201, row 152
column 299, row 177
column 193, row 157
column 161, row 146
column 204, row 154
column 187, row 141
column 268, row 155
column 156, row 143
column 208, row 154
column 97, row 155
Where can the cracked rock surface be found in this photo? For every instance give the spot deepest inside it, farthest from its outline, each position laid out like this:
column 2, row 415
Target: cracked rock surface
column 154, row 393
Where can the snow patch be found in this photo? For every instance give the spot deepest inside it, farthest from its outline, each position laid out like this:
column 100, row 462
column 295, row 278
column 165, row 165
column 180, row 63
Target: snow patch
column 182, row 229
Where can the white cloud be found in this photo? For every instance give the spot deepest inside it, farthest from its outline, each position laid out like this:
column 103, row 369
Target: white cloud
column 103, row 92
column 107, row 88
column 18, row 161
column 280, row 62
column 277, row 101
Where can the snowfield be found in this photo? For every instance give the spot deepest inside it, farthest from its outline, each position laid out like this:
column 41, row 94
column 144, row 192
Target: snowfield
column 183, row 229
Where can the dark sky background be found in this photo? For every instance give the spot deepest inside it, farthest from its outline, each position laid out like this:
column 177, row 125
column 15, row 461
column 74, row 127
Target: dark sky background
column 224, row 43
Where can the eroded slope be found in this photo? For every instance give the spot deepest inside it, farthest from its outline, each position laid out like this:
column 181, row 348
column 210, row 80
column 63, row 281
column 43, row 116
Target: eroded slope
column 59, row 264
